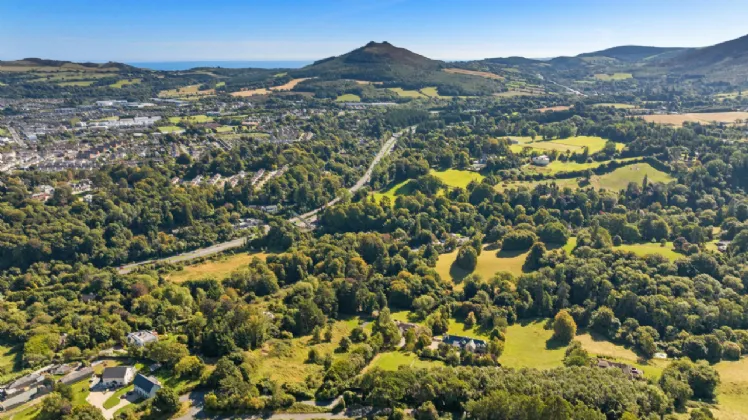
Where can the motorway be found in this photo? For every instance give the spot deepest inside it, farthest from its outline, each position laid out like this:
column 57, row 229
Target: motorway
column 304, row 219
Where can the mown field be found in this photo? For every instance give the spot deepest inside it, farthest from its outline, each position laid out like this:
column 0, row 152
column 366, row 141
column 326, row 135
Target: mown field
column 557, row 166
column 707, row 117
column 218, row 269
column 649, row 249
column 732, row 395
column 572, row 144
column 612, row 77
column 490, row 262
column 619, row 179
column 457, row 178
column 348, row 97
column 485, row 74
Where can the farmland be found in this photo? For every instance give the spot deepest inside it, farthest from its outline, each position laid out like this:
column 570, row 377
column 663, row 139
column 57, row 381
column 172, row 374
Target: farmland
column 555, row 108
column 490, row 262
column 650, row 248
column 733, row 389
column 708, row 117
column 193, row 119
column 185, row 92
column 485, row 74
column 348, row 97
column 557, row 166
column 265, row 91
column 218, row 269
column 408, row 93
column 77, row 83
column 615, row 105
column 458, row 178
column 572, row 144
column 619, row 179
column 613, row 77
column 124, row 82
column 528, row 345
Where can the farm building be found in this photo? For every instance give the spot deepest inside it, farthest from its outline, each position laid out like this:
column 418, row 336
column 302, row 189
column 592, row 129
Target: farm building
column 77, row 376
column 141, row 338
column 117, row 376
column 146, row 386
column 541, row 160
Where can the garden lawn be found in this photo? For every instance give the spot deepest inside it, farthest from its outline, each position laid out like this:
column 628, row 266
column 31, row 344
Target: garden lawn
column 117, row 396
column 392, row 360
column 457, row 178
column 619, row 179
column 218, row 269
column 527, row 345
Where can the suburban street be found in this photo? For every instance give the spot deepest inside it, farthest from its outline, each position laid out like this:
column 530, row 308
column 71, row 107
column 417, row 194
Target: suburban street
column 304, row 219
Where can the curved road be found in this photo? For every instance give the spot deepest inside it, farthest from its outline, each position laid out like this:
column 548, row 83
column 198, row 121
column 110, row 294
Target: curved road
column 304, row 219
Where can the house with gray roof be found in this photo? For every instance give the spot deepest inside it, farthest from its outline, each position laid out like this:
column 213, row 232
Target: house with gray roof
column 146, row 386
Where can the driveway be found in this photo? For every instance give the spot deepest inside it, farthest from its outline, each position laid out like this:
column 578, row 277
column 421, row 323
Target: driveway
column 97, row 398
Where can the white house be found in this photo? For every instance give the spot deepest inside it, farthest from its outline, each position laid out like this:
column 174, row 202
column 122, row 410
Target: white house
column 541, row 160
column 146, row 386
column 117, row 376
column 141, row 338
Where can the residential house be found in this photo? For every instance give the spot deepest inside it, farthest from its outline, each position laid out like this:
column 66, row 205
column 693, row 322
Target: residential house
column 117, row 376
column 722, row 246
column 628, row 370
column 141, row 338
column 146, row 386
column 473, row 345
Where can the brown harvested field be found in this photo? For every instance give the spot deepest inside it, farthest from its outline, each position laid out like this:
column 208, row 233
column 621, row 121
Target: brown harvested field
column 523, row 92
column 485, row 74
column 263, row 91
column 679, row 119
column 555, row 108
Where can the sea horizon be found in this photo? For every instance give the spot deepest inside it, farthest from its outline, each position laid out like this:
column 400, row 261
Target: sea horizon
column 228, row 64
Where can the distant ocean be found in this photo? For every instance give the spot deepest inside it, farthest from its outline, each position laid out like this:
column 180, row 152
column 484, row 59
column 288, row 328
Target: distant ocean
column 186, row 65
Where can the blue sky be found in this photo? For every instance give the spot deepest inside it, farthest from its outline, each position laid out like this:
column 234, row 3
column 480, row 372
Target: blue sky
column 171, row 30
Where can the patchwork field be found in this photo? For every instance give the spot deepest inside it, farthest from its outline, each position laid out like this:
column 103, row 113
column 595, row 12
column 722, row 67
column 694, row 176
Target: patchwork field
column 485, row 74
column 194, row 119
column 489, row 263
column 572, row 144
column 616, row 105
column 708, row 117
column 457, row 178
column 125, row 82
column 407, row 93
column 611, row 77
column 264, row 91
column 620, row 178
column 218, row 269
column 555, row 108
column 186, row 91
column 348, row 97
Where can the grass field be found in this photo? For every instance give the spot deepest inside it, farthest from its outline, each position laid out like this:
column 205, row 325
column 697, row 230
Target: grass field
column 392, row 360
column 600, row 347
column 457, row 178
column 290, row 365
column 733, row 390
column 619, row 179
column 616, row 105
column 194, row 119
column 561, row 183
column 218, row 269
column 348, row 97
column 124, row 82
column 557, row 167
column 170, row 129
column 649, row 249
column 432, row 92
column 78, row 83
column 708, row 117
column 527, row 345
column 572, row 144
column 21, row 413
column 554, row 108
column 485, row 74
column 402, row 188
column 186, row 91
column 489, row 263
column 459, row 328
column 615, row 76
column 117, row 396
column 408, row 93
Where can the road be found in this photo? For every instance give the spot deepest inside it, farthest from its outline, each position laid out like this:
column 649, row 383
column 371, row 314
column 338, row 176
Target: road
column 574, row 91
column 304, row 219
column 195, row 411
